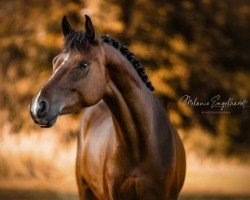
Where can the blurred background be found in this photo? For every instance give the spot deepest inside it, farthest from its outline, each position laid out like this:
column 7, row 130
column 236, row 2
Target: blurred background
column 199, row 48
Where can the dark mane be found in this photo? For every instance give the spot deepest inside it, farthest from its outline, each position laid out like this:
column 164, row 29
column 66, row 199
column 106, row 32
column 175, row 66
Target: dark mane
column 131, row 58
column 79, row 41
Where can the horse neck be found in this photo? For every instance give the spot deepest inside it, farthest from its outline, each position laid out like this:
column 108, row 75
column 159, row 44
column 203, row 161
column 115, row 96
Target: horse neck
column 130, row 102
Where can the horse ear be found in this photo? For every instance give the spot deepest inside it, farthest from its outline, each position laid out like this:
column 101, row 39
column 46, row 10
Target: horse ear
column 66, row 28
column 89, row 29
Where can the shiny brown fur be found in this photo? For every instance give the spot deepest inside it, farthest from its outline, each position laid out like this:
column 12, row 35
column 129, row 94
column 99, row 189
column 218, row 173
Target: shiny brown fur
column 127, row 148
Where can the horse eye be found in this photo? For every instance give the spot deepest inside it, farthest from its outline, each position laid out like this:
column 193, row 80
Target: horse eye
column 83, row 65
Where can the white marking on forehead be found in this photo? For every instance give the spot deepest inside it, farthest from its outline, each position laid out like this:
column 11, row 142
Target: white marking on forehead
column 65, row 59
column 63, row 62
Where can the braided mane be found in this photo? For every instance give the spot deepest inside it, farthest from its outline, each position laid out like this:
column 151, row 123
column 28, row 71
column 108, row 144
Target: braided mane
column 131, row 58
column 79, row 41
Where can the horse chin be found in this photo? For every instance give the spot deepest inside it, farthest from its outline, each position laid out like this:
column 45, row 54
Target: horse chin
column 50, row 123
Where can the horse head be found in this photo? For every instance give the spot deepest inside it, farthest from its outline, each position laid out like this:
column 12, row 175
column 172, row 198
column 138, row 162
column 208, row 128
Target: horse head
column 78, row 79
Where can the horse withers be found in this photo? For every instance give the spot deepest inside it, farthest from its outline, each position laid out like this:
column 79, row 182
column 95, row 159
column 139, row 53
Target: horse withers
column 127, row 148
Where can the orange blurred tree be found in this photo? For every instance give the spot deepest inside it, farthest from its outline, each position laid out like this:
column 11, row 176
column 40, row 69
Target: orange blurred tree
column 198, row 47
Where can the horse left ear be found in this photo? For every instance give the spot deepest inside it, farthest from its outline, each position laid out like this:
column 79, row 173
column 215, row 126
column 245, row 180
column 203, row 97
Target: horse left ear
column 89, row 29
column 66, row 28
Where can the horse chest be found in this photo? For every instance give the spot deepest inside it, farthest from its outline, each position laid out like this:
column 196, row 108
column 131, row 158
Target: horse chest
column 125, row 179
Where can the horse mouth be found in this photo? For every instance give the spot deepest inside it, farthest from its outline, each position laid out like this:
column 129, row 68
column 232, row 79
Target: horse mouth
column 50, row 123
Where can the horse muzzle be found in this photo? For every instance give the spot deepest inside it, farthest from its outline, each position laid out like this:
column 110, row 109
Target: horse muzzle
column 39, row 111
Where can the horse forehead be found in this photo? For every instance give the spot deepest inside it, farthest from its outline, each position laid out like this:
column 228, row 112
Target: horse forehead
column 67, row 56
column 63, row 58
column 60, row 60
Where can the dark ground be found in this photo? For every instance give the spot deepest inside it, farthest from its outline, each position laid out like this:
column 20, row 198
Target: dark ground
column 26, row 194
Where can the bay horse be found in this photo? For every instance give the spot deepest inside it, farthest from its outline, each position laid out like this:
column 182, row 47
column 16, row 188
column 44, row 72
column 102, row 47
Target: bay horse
column 127, row 148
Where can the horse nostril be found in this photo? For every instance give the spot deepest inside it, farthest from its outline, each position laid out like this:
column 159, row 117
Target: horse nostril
column 42, row 108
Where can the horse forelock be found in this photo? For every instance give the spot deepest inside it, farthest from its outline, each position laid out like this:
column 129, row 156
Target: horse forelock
column 77, row 41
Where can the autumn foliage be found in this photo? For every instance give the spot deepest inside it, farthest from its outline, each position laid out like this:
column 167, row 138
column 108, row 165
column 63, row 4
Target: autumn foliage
column 199, row 48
